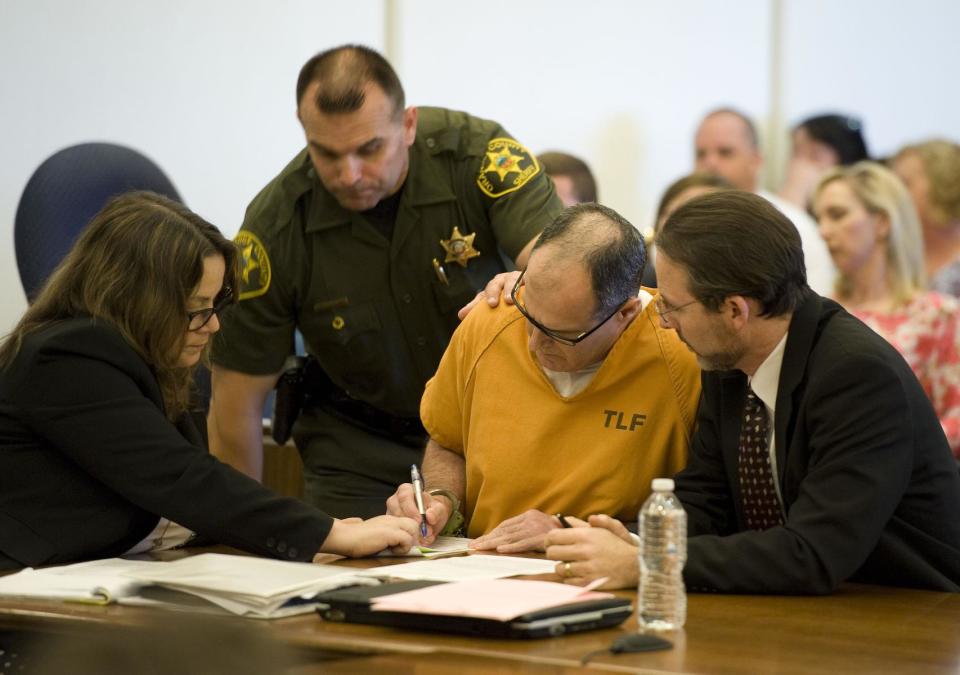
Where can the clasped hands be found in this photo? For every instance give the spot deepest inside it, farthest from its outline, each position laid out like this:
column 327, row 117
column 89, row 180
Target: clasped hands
column 593, row 549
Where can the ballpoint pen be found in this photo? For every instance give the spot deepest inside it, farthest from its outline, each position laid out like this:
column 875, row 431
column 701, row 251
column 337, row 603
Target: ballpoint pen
column 563, row 521
column 440, row 272
column 418, row 496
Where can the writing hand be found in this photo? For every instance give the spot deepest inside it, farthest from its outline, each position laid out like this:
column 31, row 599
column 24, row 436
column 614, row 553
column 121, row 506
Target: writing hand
column 403, row 503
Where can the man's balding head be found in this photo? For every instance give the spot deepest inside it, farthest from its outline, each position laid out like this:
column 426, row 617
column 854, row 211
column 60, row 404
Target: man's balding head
column 726, row 145
column 343, row 74
column 604, row 243
column 582, row 283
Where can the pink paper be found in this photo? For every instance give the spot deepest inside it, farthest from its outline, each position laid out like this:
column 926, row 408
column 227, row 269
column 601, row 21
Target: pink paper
column 500, row 599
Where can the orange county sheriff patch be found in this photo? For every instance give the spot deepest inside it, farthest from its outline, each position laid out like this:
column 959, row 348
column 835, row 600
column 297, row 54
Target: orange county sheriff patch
column 506, row 167
column 256, row 271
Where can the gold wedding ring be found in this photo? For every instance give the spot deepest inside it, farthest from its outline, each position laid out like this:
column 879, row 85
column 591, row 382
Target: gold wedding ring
column 566, row 569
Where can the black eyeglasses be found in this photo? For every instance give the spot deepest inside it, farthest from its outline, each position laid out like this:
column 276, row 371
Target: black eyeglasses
column 552, row 334
column 200, row 318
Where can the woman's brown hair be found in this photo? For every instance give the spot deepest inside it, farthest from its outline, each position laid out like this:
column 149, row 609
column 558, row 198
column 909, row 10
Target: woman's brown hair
column 134, row 266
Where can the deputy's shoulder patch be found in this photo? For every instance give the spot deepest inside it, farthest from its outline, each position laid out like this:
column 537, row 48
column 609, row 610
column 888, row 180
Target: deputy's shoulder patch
column 256, row 272
column 506, row 167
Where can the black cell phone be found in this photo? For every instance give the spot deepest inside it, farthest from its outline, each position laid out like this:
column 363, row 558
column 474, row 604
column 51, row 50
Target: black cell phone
column 639, row 642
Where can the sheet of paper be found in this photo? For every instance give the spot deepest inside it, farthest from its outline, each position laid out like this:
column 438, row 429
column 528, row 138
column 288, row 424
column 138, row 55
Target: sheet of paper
column 243, row 577
column 441, row 547
column 97, row 581
column 476, row 566
column 500, row 599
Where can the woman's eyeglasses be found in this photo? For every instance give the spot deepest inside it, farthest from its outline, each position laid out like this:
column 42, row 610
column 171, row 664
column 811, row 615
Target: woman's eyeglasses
column 200, row 318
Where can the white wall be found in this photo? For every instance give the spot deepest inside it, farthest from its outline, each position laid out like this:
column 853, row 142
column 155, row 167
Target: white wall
column 204, row 87
column 618, row 82
column 895, row 63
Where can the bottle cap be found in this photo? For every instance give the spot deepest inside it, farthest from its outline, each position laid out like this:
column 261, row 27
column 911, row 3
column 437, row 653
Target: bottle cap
column 662, row 485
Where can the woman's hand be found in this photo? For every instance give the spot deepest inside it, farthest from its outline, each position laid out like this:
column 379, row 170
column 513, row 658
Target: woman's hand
column 356, row 538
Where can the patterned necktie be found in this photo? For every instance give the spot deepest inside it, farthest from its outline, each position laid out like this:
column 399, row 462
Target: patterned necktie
column 760, row 505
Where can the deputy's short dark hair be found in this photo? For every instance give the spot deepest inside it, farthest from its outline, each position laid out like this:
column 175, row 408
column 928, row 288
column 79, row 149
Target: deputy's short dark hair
column 343, row 72
column 737, row 243
column 607, row 244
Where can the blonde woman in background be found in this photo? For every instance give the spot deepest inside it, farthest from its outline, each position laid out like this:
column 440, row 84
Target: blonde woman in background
column 871, row 228
column 931, row 172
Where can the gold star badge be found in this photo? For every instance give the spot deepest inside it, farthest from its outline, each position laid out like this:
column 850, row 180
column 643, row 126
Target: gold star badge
column 502, row 162
column 459, row 248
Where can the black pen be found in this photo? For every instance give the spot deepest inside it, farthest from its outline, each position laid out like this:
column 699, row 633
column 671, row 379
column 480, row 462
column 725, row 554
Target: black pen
column 418, row 496
column 563, row 521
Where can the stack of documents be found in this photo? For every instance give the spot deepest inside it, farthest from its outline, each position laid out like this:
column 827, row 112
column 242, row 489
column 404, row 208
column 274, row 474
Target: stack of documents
column 472, row 567
column 254, row 587
column 442, row 547
column 98, row 582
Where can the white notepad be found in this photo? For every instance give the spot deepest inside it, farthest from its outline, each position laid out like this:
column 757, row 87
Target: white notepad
column 476, row 566
column 442, row 547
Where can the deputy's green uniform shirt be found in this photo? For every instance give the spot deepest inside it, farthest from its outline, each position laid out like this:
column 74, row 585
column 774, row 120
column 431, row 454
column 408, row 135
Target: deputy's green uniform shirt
column 374, row 311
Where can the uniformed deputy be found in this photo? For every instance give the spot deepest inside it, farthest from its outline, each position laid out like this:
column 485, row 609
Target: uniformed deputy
column 368, row 242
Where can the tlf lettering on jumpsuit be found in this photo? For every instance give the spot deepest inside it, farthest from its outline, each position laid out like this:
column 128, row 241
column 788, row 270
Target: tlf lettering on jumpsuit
column 617, row 416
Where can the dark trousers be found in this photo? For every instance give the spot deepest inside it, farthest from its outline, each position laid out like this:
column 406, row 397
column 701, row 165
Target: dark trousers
column 349, row 471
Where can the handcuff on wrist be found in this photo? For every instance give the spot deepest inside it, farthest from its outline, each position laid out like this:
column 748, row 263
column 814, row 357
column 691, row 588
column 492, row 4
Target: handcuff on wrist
column 455, row 521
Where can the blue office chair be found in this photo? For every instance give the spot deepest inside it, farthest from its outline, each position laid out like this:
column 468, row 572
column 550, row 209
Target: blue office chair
column 61, row 197
column 65, row 192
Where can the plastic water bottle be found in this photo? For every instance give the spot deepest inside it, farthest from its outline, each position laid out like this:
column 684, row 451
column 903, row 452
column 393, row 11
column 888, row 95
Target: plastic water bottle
column 663, row 552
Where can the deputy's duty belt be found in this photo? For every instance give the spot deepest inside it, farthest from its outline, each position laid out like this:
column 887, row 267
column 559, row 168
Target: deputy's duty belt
column 307, row 385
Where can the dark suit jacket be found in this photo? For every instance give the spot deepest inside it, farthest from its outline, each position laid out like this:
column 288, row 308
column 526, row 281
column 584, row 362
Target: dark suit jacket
column 871, row 490
column 88, row 461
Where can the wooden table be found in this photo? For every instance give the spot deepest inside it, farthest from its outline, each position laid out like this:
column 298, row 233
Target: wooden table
column 858, row 630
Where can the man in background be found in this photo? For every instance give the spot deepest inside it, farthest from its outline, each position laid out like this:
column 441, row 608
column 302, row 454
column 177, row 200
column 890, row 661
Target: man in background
column 726, row 144
column 571, row 176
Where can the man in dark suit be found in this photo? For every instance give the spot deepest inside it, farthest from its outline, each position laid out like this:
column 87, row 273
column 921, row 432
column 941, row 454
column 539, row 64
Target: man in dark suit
column 852, row 480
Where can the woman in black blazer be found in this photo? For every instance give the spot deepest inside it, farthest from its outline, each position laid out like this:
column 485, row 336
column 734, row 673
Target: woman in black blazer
column 97, row 455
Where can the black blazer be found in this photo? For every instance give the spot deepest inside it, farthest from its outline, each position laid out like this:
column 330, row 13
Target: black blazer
column 88, row 461
column 870, row 487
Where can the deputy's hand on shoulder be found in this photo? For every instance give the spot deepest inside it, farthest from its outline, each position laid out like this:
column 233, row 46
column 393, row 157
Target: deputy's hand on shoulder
column 500, row 285
column 605, row 549
column 403, row 503
column 357, row 538
column 525, row 532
